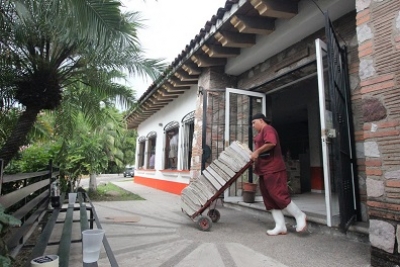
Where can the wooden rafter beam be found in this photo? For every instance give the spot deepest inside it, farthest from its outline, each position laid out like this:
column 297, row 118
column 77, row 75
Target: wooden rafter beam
column 163, row 94
column 205, row 61
column 151, row 110
column 178, row 83
column 148, row 109
column 143, row 114
column 256, row 25
column 234, row 39
column 174, row 90
column 136, row 120
column 147, row 106
column 275, row 8
column 167, row 96
column 163, row 100
column 157, row 101
column 156, row 108
column 218, row 51
column 185, row 76
column 191, row 68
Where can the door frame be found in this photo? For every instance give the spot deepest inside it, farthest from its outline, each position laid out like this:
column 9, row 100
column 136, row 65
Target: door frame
column 228, row 92
column 327, row 130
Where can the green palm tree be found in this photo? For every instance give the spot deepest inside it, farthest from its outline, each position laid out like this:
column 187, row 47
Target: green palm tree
column 51, row 46
column 91, row 128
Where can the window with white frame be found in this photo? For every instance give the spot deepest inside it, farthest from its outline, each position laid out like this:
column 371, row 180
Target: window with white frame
column 171, row 132
column 187, row 140
column 141, row 151
column 151, row 152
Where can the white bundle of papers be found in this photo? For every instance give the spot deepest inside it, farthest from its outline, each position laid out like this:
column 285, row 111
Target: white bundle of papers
column 232, row 160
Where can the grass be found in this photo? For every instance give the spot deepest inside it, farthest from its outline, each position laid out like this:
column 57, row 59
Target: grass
column 111, row 192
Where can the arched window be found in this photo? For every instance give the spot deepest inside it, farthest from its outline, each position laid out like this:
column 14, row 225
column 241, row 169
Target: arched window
column 151, row 149
column 141, row 149
column 171, row 125
column 171, row 132
column 187, row 140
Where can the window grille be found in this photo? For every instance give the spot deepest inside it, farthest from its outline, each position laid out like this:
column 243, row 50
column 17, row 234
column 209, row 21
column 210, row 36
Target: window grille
column 171, row 155
column 188, row 117
column 142, row 143
column 171, row 126
column 151, row 137
column 187, row 140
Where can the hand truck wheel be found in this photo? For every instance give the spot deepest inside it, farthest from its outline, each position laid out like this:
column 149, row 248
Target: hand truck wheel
column 204, row 223
column 214, row 215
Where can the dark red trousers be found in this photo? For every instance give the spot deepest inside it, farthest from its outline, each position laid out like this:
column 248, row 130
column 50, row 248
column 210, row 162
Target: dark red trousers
column 274, row 190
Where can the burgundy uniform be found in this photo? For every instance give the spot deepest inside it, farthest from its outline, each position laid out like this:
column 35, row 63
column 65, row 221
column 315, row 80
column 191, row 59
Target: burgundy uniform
column 272, row 171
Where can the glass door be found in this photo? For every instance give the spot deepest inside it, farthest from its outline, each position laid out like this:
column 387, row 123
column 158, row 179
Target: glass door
column 240, row 106
column 327, row 130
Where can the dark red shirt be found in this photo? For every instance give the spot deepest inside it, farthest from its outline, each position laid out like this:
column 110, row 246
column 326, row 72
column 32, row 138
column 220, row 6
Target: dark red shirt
column 274, row 162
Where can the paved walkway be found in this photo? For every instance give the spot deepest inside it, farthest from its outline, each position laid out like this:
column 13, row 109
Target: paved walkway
column 155, row 232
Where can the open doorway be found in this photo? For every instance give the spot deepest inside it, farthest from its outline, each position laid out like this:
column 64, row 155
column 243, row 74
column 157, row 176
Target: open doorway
column 294, row 114
column 294, row 110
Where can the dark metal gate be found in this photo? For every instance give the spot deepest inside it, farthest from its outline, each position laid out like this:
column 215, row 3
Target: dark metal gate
column 343, row 145
column 233, row 107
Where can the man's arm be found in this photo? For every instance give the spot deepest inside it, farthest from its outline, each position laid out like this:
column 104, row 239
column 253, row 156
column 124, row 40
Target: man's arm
column 264, row 148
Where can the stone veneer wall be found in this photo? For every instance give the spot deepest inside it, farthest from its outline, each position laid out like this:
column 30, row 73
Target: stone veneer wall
column 210, row 79
column 378, row 28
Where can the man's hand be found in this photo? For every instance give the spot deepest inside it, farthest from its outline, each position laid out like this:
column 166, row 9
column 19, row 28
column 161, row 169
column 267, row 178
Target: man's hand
column 254, row 156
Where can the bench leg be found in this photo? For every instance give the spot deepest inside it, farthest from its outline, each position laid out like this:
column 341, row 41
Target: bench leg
column 91, row 219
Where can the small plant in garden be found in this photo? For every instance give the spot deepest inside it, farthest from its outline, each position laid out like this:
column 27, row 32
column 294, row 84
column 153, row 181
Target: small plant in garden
column 6, row 222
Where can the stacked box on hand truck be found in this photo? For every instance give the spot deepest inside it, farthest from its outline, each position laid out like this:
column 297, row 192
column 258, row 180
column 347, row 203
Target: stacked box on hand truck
column 218, row 176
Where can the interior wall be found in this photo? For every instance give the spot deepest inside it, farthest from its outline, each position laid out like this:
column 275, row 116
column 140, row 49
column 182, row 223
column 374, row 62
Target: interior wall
column 289, row 111
column 294, row 111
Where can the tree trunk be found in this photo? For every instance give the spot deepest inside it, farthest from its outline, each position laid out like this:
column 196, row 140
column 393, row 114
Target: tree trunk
column 18, row 136
column 92, row 183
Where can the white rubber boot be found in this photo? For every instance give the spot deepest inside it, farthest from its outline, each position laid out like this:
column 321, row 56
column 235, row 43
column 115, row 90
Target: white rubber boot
column 280, row 226
column 301, row 219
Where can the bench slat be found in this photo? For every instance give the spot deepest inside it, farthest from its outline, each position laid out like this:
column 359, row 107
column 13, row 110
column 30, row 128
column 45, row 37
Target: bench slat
column 41, row 244
column 107, row 247
column 83, row 212
column 84, row 224
column 65, row 243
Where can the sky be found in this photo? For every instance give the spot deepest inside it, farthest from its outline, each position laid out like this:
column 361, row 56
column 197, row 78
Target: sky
column 170, row 26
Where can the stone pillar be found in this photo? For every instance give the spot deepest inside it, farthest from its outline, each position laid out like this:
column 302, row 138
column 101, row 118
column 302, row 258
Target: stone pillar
column 378, row 33
column 209, row 80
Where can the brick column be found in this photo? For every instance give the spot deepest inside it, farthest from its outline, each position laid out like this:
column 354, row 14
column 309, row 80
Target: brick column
column 211, row 78
column 378, row 32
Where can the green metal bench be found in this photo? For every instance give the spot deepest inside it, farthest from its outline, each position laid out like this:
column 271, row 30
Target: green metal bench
column 66, row 237
column 30, row 203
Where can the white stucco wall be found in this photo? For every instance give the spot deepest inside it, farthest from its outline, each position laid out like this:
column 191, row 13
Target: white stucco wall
column 174, row 111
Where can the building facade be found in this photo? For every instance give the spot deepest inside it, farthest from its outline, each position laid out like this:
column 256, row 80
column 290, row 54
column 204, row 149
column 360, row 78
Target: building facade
column 326, row 74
